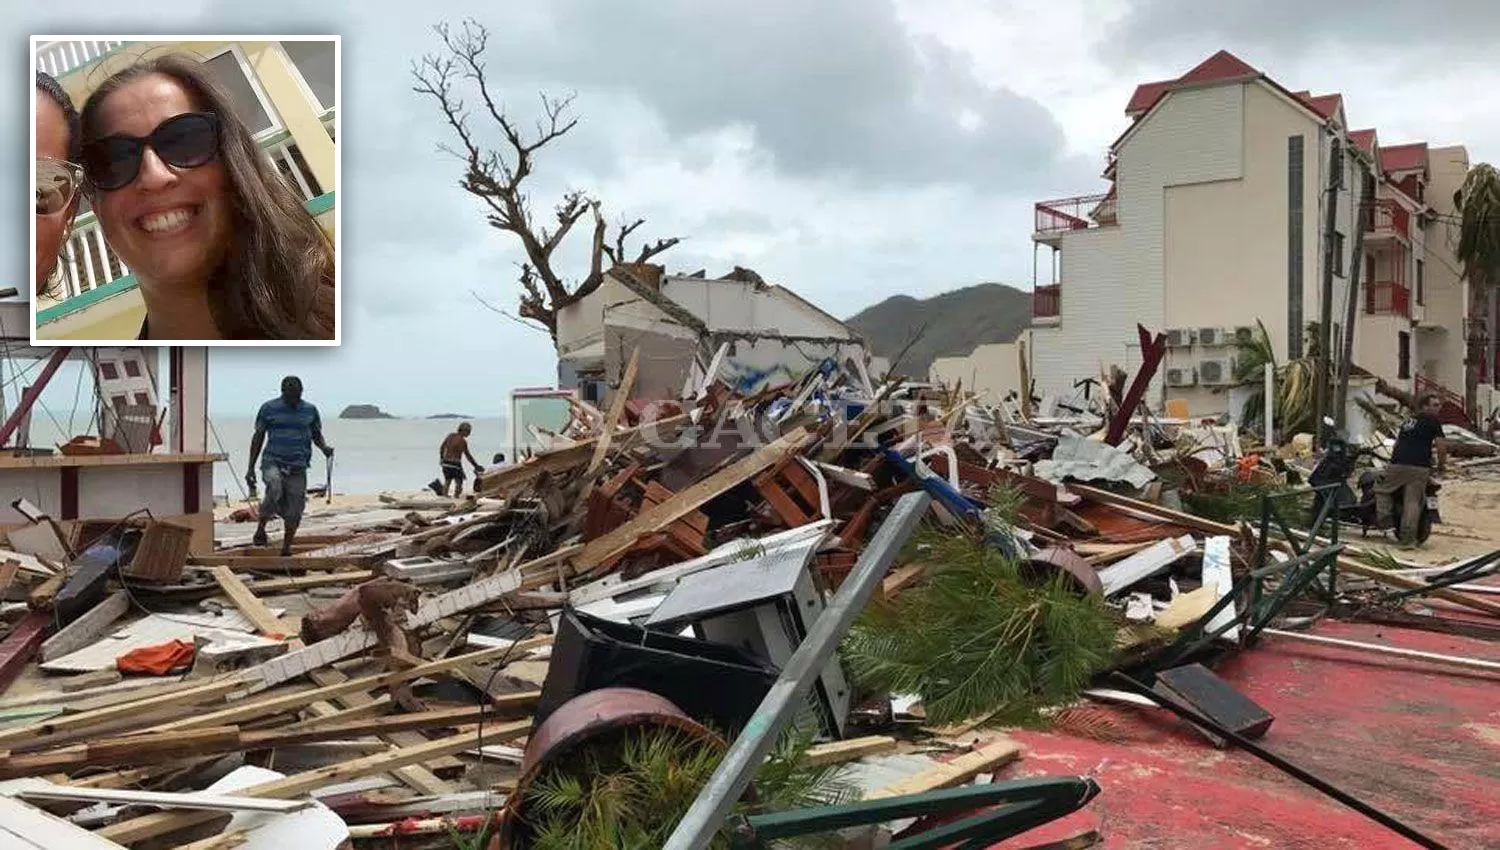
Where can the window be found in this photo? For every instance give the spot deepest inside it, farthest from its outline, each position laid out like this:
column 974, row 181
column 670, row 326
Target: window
column 132, row 369
column 1403, row 354
column 1338, row 253
column 119, row 402
column 314, row 60
column 142, row 399
column 1420, row 284
column 1369, row 267
column 109, row 371
column 231, row 75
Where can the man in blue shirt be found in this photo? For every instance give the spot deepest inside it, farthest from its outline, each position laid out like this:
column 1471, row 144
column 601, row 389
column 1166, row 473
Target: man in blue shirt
column 286, row 428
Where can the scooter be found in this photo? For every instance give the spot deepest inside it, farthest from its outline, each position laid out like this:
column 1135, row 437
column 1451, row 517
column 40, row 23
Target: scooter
column 1336, row 466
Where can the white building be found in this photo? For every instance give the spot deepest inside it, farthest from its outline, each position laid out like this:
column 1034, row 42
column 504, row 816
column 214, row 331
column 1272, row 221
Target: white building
column 1214, row 220
column 679, row 323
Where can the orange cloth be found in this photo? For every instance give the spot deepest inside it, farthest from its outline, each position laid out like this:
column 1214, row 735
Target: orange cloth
column 158, row 660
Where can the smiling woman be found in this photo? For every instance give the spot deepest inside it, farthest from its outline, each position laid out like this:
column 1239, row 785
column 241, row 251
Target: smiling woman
column 221, row 245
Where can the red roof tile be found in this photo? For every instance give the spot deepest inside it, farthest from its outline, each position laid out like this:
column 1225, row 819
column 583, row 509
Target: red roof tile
column 1220, row 66
column 1326, row 105
column 1412, row 157
column 1364, row 140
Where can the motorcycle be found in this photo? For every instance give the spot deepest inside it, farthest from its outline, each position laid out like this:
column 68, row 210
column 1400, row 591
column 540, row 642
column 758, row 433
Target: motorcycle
column 1330, row 478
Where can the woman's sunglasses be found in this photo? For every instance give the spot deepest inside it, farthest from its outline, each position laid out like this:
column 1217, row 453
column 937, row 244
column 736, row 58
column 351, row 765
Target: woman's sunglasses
column 183, row 141
column 57, row 184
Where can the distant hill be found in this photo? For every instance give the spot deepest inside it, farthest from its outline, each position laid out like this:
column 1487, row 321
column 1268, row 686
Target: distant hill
column 955, row 322
column 364, row 411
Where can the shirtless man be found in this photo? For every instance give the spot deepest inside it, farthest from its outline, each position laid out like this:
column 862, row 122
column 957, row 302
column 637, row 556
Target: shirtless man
column 451, row 455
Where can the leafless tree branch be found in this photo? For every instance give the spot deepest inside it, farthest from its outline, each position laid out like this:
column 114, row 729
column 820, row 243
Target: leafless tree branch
column 496, row 177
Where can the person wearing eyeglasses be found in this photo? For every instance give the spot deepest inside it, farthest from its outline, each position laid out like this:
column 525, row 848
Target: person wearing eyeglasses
column 221, row 244
column 57, row 179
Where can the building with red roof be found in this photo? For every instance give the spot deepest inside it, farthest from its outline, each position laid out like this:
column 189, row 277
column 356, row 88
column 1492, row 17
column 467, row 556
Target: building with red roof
column 1214, row 221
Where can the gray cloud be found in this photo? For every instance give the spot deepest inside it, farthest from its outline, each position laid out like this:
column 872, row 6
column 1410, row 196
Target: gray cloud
column 1289, row 28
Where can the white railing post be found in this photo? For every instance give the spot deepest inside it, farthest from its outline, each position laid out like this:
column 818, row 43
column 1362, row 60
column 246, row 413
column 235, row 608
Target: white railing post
column 104, row 274
column 88, row 260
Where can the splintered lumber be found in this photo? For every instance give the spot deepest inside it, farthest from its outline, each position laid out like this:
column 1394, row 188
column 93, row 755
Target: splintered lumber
column 1350, row 565
column 277, row 562
column 1197, row 523
column 902, row 578
column 180, row 699
column 21, row 644
column 511, row 478
column 283, row 702
column 838, row 752
column 621, row 539
column 142, row 828
column 254, row 610
column 612, row 419
column 38, row 789
column 293, row 584
column 87, row 628
column 956, row 772
column 152, row 747
column 1122, row 574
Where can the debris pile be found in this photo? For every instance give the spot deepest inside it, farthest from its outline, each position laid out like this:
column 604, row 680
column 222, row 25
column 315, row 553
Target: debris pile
column 608, row 623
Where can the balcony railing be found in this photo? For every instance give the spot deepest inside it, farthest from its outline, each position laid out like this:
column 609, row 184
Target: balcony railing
column 1078, row 213
column 1388, row 298
column 1390, row 216
column 88, row 261
column 59, row 57
column 1046, row 301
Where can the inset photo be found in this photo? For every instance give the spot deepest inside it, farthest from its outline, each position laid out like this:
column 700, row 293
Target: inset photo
column 185, row 190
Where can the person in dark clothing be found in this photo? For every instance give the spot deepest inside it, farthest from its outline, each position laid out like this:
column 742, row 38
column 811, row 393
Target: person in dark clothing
column 1419, row 439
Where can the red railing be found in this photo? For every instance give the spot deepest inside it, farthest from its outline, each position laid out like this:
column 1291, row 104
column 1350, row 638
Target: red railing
column 1046, row 301
column 1454, row 411
column 1389, row 215
column 1388, row 297
column 1078, row 213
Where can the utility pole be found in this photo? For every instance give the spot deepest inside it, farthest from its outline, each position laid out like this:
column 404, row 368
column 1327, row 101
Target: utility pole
column 1364, row 206
column 1325, row 297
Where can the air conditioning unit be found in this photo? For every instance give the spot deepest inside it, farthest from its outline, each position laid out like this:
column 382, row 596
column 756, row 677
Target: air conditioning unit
column 1185, row 376
column 1216, row 373
column 1212, row 337
column 1244, row 335
column 1180, row 338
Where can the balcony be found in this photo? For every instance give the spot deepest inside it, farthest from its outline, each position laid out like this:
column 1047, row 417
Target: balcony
column 1389, row 220
column 1046, row 304
column 1387, row 298
column 88, row 261
column 61, row 57
column 1054, row 218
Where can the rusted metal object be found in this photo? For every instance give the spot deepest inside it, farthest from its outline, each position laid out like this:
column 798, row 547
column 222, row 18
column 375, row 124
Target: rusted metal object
column 1080, row 574
column 581, row 720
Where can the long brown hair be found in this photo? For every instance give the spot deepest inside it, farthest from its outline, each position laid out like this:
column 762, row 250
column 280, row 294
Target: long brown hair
column 48, row 85
column 276, row 279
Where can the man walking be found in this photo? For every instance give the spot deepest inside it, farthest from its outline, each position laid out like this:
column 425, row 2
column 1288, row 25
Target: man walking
column 286, row 428
column 452, row 453
column 1410, row 467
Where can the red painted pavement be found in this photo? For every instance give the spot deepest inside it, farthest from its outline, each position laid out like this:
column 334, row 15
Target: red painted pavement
column 1419, row 741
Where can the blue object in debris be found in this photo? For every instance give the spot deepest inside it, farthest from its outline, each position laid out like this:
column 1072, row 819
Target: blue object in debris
column 939, row 489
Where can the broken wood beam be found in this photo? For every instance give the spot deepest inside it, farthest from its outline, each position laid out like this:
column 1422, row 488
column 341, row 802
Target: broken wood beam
column 278, row 562
column 21, row 645
column 136, row 830
column 87, row 628
column 954, row 773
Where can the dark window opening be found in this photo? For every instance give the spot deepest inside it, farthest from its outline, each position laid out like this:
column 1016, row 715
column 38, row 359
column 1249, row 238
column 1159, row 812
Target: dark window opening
column 143, row 399
column 109, row 371
column 1338, row 253
column 132, row 369
column 119, row 402
column 1403, row 354
column 1421, row 287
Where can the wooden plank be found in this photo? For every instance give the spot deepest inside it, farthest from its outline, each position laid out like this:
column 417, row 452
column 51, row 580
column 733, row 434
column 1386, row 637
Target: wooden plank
column 184, row 699
column 276, row 562
column 254, row 610
column 142, row 828
column 838, row 752
column 612, row 419
column 276, row 703
column 901, row 578
column 1196, row 523
column 956, row 772
column 18, row 648
column 296, row 583
column 1399, row 652
column 38, row 789
column 88, row 628
column 511, row 478
column 619, row 540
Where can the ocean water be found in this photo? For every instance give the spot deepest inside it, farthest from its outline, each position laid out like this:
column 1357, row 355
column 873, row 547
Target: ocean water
column 370, row 455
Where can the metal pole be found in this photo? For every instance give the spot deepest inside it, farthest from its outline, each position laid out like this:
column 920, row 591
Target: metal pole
column 1363, row 206
column 1268, row 410
column 29, row 397
column 1276, row 761
column 745, row 755
column 1325, row 296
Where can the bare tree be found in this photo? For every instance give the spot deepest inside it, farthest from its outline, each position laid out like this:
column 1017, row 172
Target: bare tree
column 497, row 177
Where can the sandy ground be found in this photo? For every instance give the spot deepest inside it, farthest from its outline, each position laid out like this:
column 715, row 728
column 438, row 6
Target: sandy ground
column 1469, row 504
column 317, row 505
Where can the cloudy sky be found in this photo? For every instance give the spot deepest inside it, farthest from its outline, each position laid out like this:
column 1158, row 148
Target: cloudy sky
column 850, row 149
